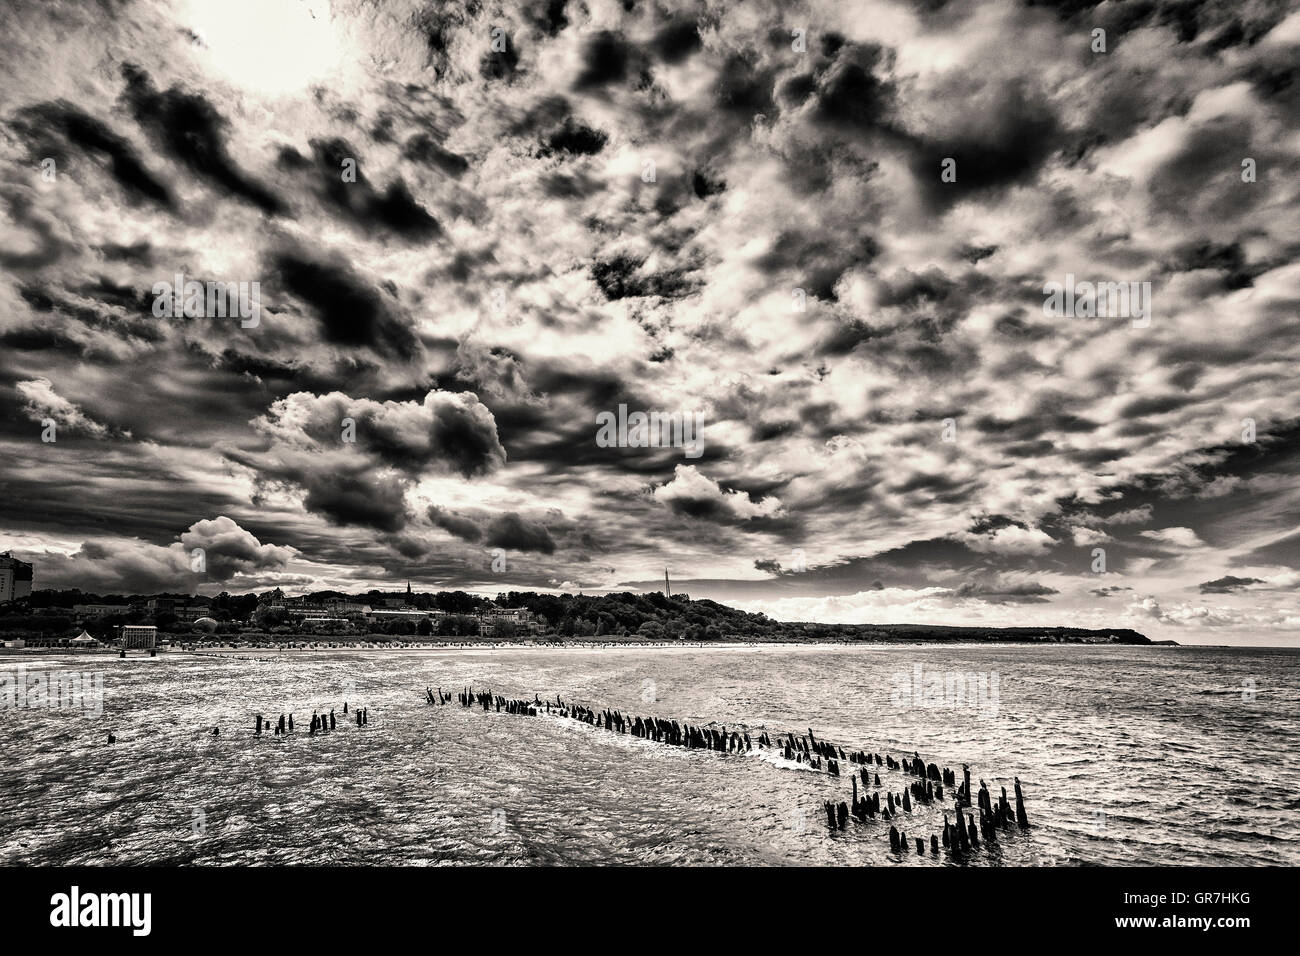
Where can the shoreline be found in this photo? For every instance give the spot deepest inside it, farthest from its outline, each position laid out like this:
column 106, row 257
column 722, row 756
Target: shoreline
column 227, row 650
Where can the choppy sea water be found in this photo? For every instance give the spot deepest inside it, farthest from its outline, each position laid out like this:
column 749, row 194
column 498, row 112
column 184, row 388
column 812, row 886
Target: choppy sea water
column 1127, row 756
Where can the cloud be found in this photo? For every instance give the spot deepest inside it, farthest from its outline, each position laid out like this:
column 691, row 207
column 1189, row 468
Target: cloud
column 1174, row 538
column 1139, row 515
column 41, row 401
column 1087, row 537
column 695, row 495
column 883, row 389
column 351, row 311
column 356, row 459
column 1227, row 584
column 461, row 527
column 1010, row 540
column 44, row 122
column 514, row 533
column 193, row 132
column 230, row 553
column 1109, row 590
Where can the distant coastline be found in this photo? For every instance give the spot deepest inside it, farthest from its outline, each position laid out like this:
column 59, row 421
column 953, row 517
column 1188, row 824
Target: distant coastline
column 954, row 636
column 455, row 618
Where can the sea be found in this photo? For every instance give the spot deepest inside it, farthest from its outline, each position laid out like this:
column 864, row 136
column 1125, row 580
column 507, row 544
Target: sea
column 1126, row 755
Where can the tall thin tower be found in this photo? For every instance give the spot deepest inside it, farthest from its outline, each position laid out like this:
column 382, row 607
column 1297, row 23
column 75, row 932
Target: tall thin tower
column 668, row 592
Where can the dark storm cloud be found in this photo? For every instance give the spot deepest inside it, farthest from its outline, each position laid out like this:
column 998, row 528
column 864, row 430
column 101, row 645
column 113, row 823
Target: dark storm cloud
column 1227, row 584
column 461, row 527
column 606, row 58
column 191, row 130
column 500, row 64
column 742, row 87
column 350, row 310
column 574, row 139
column 356, row 499
column 676, row 40
column 516, row 533
column 1228, row 258
column 1108, row 591
column 815, row 263
column 550, row 16
column 1003, row 140
column 983, row 524
column 422, row 148
column 94, row 137
column 115, row 495
column 620, row 277
column 1002, row 592
column 392, row 210
column 850, row 94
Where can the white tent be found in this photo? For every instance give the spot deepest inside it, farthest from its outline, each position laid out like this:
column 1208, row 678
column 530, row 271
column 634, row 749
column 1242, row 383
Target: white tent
column 84, row 638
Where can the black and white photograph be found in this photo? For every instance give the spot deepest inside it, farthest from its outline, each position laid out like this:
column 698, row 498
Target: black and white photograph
column 737, row 438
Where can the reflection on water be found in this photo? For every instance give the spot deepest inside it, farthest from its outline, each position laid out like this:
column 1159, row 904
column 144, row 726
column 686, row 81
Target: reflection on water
column 1127, row 756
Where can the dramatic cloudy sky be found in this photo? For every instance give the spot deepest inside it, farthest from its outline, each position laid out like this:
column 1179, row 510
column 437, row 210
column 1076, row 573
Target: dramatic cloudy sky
column 502, row 270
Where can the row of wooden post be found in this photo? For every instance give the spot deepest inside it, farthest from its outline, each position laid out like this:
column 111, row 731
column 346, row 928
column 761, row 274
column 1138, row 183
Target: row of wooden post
column 959, row 838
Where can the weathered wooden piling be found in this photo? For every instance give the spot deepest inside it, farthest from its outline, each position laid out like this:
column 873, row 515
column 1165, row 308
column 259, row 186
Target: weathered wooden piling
column 1021, row 818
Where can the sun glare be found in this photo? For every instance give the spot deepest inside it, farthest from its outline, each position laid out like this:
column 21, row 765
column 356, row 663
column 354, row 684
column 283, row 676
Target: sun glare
column 276, row 47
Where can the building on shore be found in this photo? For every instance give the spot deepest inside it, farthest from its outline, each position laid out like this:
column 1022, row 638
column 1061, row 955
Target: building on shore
column 520, row 618
column 185, row 610
column 403, row 613
column 15, row 578
column 83, row 611
column 142, row 636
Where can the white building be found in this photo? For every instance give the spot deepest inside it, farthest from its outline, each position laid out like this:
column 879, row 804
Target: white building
column 15, row 578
